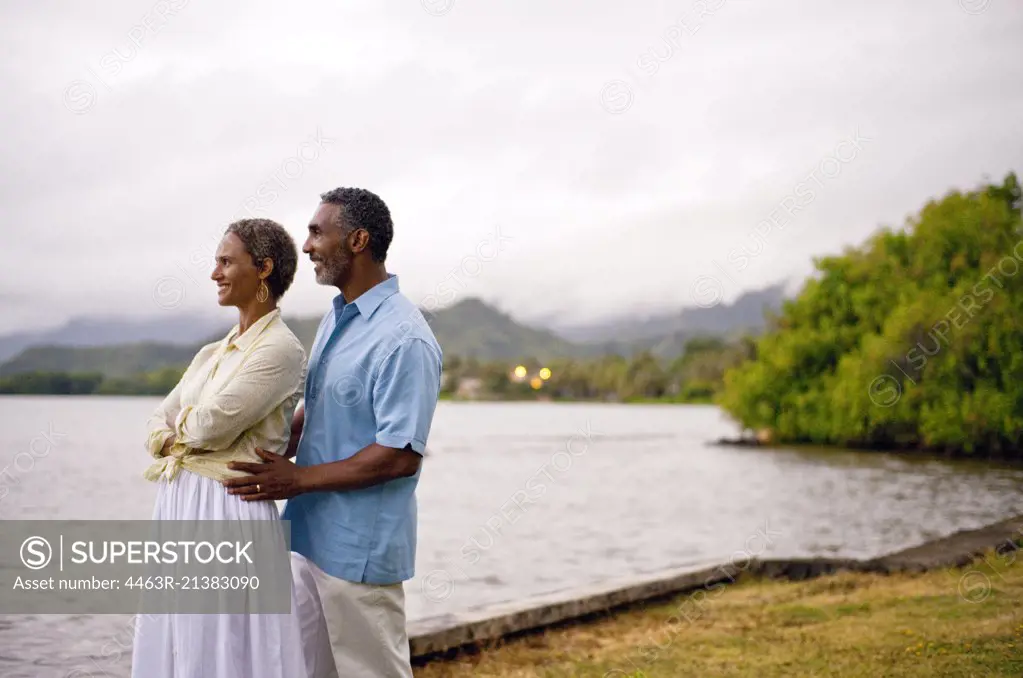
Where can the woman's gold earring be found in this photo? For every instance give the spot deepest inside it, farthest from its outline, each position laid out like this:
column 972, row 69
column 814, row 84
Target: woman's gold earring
column 263, row 293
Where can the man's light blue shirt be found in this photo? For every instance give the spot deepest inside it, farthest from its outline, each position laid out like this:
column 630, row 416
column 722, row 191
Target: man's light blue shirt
column 374, row 376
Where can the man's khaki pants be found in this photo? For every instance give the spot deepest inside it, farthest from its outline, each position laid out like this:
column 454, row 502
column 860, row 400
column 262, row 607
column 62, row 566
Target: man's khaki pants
column 350, row 630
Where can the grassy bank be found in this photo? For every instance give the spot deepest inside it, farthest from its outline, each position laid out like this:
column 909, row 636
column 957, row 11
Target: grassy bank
column 665, row 400
column 958, row 622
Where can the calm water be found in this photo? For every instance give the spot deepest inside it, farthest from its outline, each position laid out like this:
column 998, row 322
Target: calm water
column 520, row 499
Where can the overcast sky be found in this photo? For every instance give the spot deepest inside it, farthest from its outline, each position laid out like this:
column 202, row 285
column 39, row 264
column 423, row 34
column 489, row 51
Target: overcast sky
column 566, row 160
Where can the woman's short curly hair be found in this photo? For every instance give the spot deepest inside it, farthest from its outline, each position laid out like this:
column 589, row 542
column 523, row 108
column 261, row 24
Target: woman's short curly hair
column 266, row 239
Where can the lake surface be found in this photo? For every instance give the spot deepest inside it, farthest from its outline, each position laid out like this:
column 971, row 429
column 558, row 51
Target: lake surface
column 519, row 499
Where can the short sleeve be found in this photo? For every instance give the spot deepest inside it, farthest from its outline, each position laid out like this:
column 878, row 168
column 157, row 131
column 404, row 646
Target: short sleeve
column 405, row 395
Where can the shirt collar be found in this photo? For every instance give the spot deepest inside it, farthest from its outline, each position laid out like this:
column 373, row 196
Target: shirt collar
column 370, row 300
column 243, row 341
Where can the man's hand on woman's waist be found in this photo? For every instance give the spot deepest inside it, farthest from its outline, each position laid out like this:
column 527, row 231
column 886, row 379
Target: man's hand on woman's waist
column 279, row 478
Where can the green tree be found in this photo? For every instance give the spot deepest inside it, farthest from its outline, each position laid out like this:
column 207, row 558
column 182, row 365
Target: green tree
column 914, row 339
column 644, row 377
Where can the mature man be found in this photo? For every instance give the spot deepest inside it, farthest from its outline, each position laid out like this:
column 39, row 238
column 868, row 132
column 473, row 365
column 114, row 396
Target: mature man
column 371, row 390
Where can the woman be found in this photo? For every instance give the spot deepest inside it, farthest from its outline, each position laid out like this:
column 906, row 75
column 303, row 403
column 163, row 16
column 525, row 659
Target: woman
column 237, row 394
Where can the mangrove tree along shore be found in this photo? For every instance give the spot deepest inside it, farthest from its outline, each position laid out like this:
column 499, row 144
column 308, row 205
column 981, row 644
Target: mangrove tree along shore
column 913, row 340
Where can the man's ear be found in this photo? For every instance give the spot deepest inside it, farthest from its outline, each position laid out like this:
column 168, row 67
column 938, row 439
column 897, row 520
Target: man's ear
column 359, row 240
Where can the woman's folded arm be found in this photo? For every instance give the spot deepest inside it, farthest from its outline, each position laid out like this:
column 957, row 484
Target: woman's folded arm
column 160, row 425
column 267, row 377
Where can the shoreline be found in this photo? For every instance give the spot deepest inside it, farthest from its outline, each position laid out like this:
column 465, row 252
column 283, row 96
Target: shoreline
column 444, row 398
column 1010, row 457
column 445, row 637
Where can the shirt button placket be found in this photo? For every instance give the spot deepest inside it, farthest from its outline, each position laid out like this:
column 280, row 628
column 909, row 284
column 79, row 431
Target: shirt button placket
column 318, row 383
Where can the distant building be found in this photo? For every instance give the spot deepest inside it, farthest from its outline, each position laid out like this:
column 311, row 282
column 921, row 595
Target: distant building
column 469, row 388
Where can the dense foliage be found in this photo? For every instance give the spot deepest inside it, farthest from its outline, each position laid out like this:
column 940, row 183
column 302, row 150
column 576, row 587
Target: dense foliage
column 695, row 376
column 125, row 360
column 158, row 382
column 913, row 340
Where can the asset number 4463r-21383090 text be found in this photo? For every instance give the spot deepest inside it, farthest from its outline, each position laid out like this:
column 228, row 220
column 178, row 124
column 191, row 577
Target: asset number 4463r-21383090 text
column 193, row 583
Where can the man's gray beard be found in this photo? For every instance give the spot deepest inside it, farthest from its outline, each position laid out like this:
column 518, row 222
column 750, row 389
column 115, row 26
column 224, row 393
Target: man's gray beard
column 332, row 270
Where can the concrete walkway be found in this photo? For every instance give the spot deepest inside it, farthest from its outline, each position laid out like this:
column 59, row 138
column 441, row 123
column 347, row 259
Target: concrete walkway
column 439, row 635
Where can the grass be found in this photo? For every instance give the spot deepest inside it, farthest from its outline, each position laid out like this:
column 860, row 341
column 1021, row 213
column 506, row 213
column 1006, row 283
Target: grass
column 960, row 622
column 531, row 397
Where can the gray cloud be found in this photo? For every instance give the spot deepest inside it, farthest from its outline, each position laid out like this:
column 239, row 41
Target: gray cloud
column 487, row 115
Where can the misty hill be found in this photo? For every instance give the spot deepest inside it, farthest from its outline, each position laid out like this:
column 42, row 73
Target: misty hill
column 664, row 329
column 171, row 328
column 113, row 361
column 470, row 328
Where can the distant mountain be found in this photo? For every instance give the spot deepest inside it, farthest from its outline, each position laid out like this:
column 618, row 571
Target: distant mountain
column 473, row 328
column 470, row 328
column 168, row 328
column 112, row 361
column 747, row 313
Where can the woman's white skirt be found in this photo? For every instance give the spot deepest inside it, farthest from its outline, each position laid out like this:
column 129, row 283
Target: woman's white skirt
column 221, row 645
